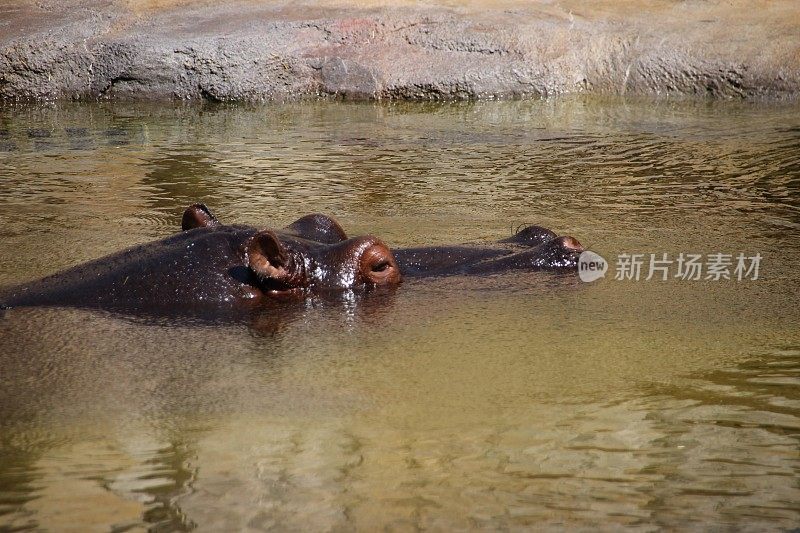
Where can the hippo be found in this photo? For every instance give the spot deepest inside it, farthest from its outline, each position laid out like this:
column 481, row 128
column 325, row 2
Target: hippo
column 218, row 267
column 531, row 248
column 226, row 267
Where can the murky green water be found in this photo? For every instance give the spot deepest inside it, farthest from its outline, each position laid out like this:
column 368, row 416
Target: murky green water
column 504, row 403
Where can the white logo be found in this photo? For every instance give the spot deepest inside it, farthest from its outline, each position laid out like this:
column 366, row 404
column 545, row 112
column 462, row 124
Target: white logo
column 591, row 266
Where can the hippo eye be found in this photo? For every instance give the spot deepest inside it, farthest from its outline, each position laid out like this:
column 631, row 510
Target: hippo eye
column 380, row 267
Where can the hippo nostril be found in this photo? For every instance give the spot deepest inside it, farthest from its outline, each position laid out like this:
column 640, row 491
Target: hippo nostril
column 571, row 243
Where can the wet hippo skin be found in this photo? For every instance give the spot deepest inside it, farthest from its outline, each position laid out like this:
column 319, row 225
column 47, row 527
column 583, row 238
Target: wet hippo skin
column 213, row 265
column 210, row 265
column 532, row 248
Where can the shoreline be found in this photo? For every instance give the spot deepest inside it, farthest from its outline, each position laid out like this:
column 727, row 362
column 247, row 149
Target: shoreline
column 250, row 51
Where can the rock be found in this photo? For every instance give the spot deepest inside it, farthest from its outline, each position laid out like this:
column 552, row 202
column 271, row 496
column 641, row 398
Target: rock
column 162, row 49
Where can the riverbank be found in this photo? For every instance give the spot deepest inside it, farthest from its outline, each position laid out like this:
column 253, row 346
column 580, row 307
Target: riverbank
column 251, row 51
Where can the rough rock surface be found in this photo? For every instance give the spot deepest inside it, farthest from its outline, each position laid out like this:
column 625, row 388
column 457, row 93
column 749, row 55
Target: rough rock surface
column 247, row 50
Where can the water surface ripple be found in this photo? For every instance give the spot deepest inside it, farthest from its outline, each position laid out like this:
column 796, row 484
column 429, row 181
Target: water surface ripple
column 504, row 403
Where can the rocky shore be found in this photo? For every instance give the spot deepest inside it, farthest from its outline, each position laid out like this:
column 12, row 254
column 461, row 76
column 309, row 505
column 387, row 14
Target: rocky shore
column 252, row 51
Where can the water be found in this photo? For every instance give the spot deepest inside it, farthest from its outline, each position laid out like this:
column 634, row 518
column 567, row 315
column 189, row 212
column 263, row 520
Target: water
column 508, row 402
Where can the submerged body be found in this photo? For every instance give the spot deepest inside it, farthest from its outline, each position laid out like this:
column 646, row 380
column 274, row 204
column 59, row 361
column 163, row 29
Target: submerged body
column 236, row 267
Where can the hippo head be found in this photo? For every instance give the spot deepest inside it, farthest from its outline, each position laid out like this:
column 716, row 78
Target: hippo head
column 285, row 264
column 312, row 253
column 545, row 249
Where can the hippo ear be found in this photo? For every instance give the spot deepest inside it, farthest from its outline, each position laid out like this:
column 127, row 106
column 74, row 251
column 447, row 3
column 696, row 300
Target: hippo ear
column 198, row 216
column 531, row 236
column 320, row 228
column 268, row 258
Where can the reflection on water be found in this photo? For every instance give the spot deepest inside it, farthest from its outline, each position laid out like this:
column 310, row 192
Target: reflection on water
column 500, row 403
